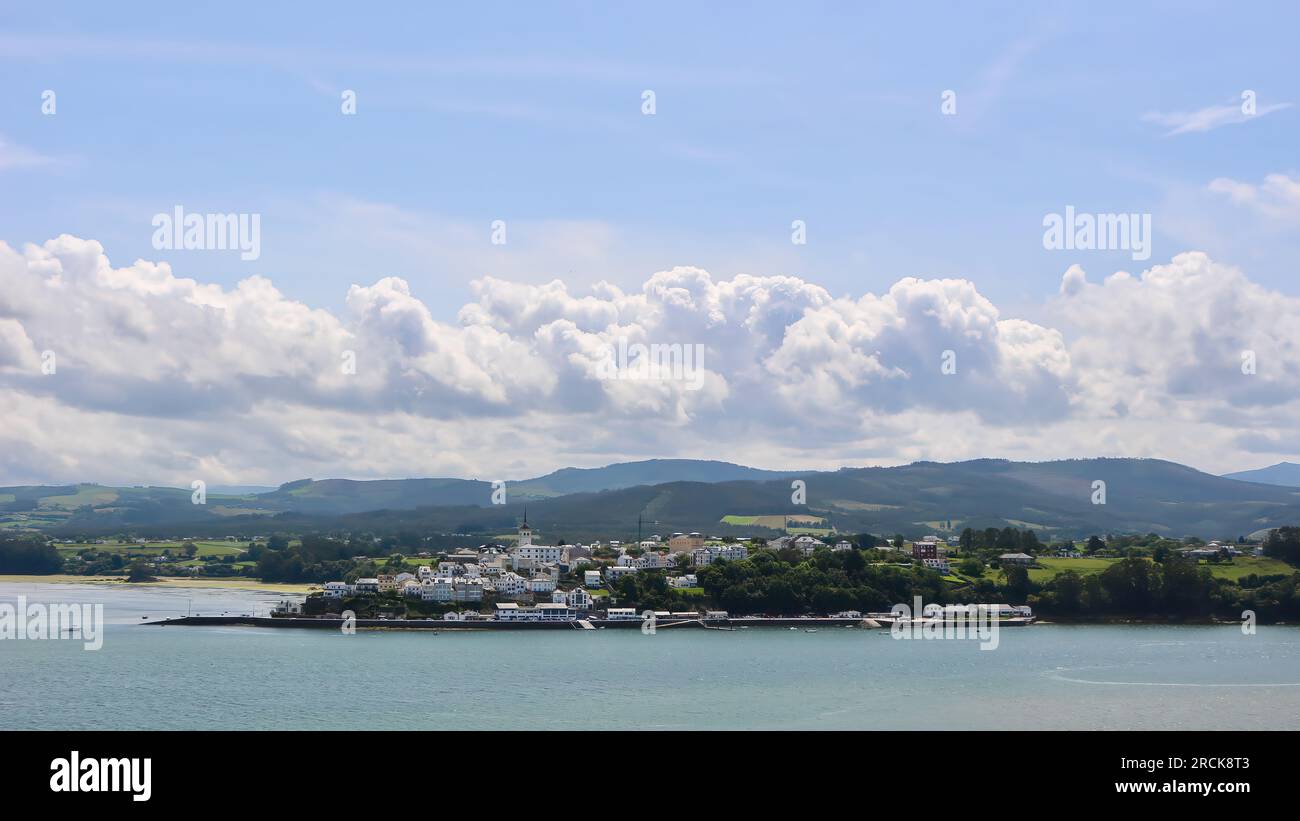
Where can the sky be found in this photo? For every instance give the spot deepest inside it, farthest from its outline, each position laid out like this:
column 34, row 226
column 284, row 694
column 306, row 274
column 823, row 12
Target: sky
column 842, row 205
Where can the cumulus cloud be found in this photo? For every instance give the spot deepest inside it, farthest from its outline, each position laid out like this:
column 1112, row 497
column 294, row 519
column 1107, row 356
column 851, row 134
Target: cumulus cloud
column 1178, row 341
column 165, row 378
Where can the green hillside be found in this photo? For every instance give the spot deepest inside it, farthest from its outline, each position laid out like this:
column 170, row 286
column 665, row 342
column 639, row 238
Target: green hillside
column 1056, row 498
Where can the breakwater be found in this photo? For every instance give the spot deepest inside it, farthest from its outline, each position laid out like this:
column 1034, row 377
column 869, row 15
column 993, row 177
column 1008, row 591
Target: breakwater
column 493, row 624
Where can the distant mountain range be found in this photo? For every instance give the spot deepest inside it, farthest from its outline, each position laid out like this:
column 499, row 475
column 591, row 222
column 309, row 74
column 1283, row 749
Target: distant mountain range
column 1283, row 473
column 1053, row 498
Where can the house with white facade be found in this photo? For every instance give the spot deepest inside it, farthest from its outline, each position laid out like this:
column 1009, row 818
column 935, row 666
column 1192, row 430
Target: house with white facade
column 577, row 598
column 615, row 572
column 712, row 553
column 336, row 590
column 539, row 584
column 940, row 564
column 510, row 585
column 807, row 544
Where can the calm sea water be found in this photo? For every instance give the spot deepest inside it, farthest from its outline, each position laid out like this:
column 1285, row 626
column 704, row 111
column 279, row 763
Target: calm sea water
column 1041, row 677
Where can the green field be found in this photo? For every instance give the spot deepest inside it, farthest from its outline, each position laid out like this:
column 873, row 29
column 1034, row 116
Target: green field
column 206, row 549
column 1244, row 566
column 1240, row 566
column 88, row 495
column 792, row 524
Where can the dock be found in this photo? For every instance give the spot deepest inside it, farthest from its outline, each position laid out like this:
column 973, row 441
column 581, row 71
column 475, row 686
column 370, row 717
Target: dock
column 493, row 624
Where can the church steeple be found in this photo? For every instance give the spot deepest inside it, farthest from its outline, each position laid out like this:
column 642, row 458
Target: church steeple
column 525, row 532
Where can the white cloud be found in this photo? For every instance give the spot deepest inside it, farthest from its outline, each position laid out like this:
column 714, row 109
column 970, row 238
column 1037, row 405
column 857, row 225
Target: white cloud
column 1277, row 197
column 13, row 155
column 164, row 378
column 1208, row 118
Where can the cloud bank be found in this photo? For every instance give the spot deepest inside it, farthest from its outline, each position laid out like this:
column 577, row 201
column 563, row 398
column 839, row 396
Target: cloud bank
column 161, row 378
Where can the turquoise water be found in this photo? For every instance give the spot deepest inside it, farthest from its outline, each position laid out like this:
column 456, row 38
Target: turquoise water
column 1041, row 677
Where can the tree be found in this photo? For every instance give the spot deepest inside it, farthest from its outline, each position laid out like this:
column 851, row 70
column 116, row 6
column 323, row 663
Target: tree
column 1132, row 585
column 1068, row 590
column 1018, row 585
column 28, row 554
column 854, row 564
column 140, row 573
column 1095, row 544
column 967, row 541
column 190, row 550
column 1284, row 543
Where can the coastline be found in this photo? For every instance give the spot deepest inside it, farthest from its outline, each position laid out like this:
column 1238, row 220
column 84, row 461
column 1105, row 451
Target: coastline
column 164, row 582
column 254, row 585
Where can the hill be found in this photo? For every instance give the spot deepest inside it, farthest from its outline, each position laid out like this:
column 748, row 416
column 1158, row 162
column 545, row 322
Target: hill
column 1053, row 498
column 1283, row 473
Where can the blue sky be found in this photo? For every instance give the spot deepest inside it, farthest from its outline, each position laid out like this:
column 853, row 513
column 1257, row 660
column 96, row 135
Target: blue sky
column 532, row 115
column 827, row 113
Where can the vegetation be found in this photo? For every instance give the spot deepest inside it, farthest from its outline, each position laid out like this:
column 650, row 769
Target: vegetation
column 28, row 554
column 913, row 499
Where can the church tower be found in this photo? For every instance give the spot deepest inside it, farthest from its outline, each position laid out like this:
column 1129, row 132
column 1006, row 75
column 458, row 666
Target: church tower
column 525, row 532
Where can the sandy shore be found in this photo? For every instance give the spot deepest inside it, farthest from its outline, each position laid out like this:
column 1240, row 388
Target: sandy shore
column 232, row 583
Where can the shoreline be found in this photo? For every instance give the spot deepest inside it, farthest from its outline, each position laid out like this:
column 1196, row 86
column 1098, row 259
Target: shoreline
column 165, row 582
column 254, row 585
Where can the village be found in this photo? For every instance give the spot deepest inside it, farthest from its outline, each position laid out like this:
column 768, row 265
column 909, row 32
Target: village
column 526, row 582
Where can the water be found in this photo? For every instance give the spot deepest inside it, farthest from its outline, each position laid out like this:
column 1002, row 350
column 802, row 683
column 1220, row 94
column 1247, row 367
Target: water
column 1041, row 677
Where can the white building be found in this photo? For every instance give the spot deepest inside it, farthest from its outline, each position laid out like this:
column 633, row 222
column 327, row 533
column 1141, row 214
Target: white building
column 539, row 584
column 688, row 580
column 510, row 585
column 577, row 598
column 540, row 553
column 553, row 611
column 807, row 544
column 337, row 590
column 591, row 578
column 616, row 572
column 709, row 555
column 448, row 589
column 366, row 586
column 941, row 565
